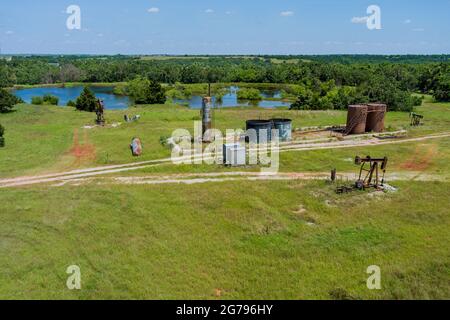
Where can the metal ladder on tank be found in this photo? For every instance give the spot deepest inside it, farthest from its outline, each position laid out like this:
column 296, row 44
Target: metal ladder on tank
column 354, row 122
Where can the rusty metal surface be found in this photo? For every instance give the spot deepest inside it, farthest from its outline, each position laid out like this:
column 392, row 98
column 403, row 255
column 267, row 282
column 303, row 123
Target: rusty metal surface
column 356, row 119
column 371, row 174
column 375, row 117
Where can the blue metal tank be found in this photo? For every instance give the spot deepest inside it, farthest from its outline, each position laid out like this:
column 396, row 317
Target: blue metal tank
column 263, row 129
column 284, row 127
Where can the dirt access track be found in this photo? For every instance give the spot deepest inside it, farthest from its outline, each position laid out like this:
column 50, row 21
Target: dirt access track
column 77, row 176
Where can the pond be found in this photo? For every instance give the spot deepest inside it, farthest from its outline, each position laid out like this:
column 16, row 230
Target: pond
column 111, row 100
column 231, row 100
column 116, row 102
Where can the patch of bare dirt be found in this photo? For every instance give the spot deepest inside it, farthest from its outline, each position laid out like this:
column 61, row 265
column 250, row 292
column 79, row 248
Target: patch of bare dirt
column 421, row 159
column 85, row 152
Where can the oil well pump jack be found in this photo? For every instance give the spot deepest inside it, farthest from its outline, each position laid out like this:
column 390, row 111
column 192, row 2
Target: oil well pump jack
column 371, row 172
column 415, row 119
column 371, row 175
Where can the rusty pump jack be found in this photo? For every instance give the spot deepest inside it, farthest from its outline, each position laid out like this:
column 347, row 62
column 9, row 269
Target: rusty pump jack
column 371, row 178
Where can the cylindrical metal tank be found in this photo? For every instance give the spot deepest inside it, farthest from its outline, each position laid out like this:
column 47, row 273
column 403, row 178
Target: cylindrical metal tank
column 356, row 119
column 206, row 117
column 259, row 126
column 284, row 127
column 375, row 117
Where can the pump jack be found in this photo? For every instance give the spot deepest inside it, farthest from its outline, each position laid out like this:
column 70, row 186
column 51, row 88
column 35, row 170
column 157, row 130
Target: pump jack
column 371, row 179
column 369, row 174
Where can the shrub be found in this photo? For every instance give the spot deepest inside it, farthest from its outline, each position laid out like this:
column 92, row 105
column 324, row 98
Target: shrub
column 221, row 93
column 175, row 94
column 121, row 89
column 50, row 100
column 249, row 94
column 86, row 101
column 37, row 100
column 71, row 103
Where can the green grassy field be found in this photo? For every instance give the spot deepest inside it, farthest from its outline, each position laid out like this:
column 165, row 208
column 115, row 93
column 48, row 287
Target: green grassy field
column 228, row 240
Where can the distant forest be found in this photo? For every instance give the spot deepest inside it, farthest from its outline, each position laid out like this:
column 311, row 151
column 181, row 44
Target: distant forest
column 356, row 76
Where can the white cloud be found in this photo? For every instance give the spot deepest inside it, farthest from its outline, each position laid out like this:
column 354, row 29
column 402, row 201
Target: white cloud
column 209, row 11
column 359, row 19
column 407, row 21
column 9, row 32
column 287, row 13
column 228, row 12
column 153, row 10
column 100, row 35
column 418, row 29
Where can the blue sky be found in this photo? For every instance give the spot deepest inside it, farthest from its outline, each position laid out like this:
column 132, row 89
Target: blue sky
column 225, row 27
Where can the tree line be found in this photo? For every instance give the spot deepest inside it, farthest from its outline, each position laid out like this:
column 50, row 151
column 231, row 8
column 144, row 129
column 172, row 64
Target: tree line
column 349, row 77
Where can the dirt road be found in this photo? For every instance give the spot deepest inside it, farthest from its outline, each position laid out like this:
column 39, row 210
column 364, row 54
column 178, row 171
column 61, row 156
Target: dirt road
column 62, row 178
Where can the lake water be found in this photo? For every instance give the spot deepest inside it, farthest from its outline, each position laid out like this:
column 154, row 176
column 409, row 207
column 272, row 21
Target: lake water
column 231, row 100
column 111, row 100
column 115, row 102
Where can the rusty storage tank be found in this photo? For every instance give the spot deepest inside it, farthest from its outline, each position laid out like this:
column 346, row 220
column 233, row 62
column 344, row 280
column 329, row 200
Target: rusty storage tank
column 284, row 127
column 375, row 117
column 356, row 119
column 263, row 129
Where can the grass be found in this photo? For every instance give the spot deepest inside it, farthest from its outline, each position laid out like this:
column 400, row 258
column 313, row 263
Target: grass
column 229, row 240
column 39, row 138
column 246, row 240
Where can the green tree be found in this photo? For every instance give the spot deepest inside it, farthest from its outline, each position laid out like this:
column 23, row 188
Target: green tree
column 304, row 100
column 7, row 101
column 145, row 91
column 86, row 101
column 442, row 91
column 157, row 94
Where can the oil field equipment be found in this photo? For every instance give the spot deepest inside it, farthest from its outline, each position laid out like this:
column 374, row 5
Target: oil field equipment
column 2, row 139
column 135, row 118
column 136, row 147
column 375, row 117
column 263, row 129
column 234, row 154
column 369, row 173
column 206, row 114
column 99, row 111
column 356, row 119
column 284, row 127
column 415, row 119
column 365, row 118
